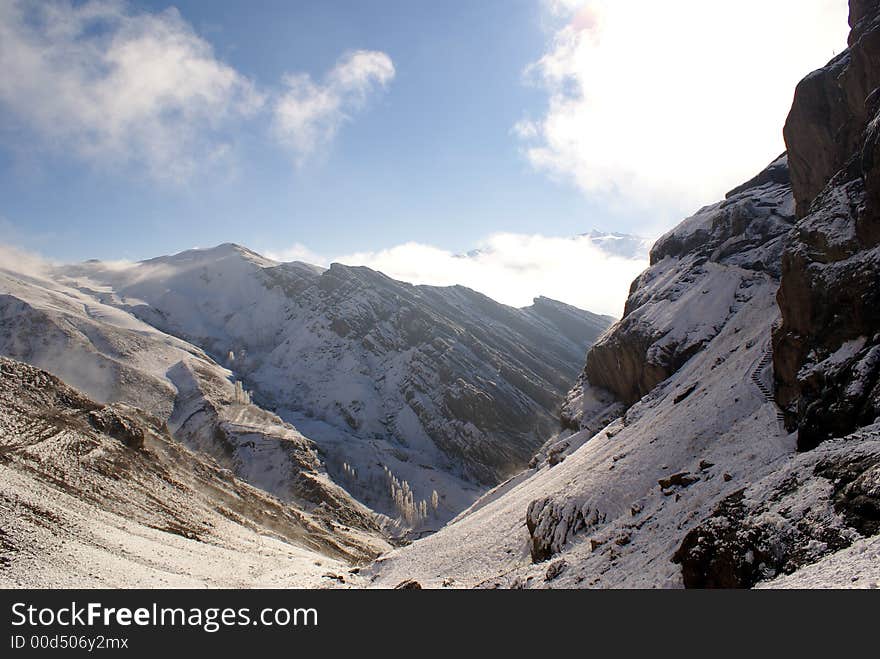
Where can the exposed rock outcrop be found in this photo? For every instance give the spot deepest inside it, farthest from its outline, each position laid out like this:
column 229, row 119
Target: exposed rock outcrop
column 113, row 421
column 552, row 524
column 822, row 502
column 827, row 349
column 257, row 446
column 700, row 273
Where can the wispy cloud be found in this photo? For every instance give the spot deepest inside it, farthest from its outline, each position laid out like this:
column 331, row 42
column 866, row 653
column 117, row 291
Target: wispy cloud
column 307, row 114
column 297, row 252
column 22, row 262
column 117, row 85
column 113, row 85
column 672, row 103
column 588, row 272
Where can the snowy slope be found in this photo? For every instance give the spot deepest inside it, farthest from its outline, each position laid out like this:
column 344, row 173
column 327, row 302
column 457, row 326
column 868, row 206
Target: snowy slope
column 601, row 509
column 677, row 469
column 857, row 566
column 97, row 496
column 687, row 374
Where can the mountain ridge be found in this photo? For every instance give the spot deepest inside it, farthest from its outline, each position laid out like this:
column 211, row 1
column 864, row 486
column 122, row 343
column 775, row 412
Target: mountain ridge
column 234, row 315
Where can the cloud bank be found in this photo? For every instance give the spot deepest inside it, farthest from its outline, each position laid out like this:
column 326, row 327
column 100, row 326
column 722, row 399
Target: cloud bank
column 672, row 102
column 586, row 271
column 113, row 85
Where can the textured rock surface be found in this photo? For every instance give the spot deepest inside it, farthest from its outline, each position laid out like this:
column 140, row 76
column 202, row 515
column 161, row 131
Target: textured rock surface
column 831, row 108
column 823, row 502
column 827, row 349
column 725, row 249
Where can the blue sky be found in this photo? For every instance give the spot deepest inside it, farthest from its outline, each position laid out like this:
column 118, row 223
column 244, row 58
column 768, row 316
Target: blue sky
column 432, row 159
column 439, row 124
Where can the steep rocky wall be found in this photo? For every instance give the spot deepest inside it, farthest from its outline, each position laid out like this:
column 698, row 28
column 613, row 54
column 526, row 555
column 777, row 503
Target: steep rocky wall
column 830, row 110
column 700, row 274
column 827, row 349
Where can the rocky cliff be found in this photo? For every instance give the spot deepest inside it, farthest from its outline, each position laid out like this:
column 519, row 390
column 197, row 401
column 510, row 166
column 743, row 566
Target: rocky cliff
column 701, row 273
column 680, row 470
column 827, row 348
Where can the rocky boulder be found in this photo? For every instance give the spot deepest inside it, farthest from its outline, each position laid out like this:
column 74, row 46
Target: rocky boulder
column 112, row 421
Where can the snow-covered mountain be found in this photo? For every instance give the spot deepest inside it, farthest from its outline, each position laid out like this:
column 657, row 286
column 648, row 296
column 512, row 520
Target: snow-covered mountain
column 664, row 422
column 620, row 244
column 345, row 377
column 113, row 357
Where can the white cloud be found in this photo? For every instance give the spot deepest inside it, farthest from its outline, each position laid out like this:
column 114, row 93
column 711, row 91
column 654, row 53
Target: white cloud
column 296, row 252
column 587, row 272
column 118, row 86
column 308, row 114
column 672, row 103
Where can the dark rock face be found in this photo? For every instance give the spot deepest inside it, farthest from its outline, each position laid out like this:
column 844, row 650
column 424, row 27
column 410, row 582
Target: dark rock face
column 682, row 479
column 856, row 493
column 859, row 10
column 111, row 421
column 409, row 584
column 554, row 570
column 827, row 349
column 720, row 553
column 788, row 520
column 552, row 524
column 739, row 239
column 830, row 111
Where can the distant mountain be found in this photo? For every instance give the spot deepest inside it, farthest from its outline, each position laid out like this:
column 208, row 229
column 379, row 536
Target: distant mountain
column 349, row 382
column 620, row 244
